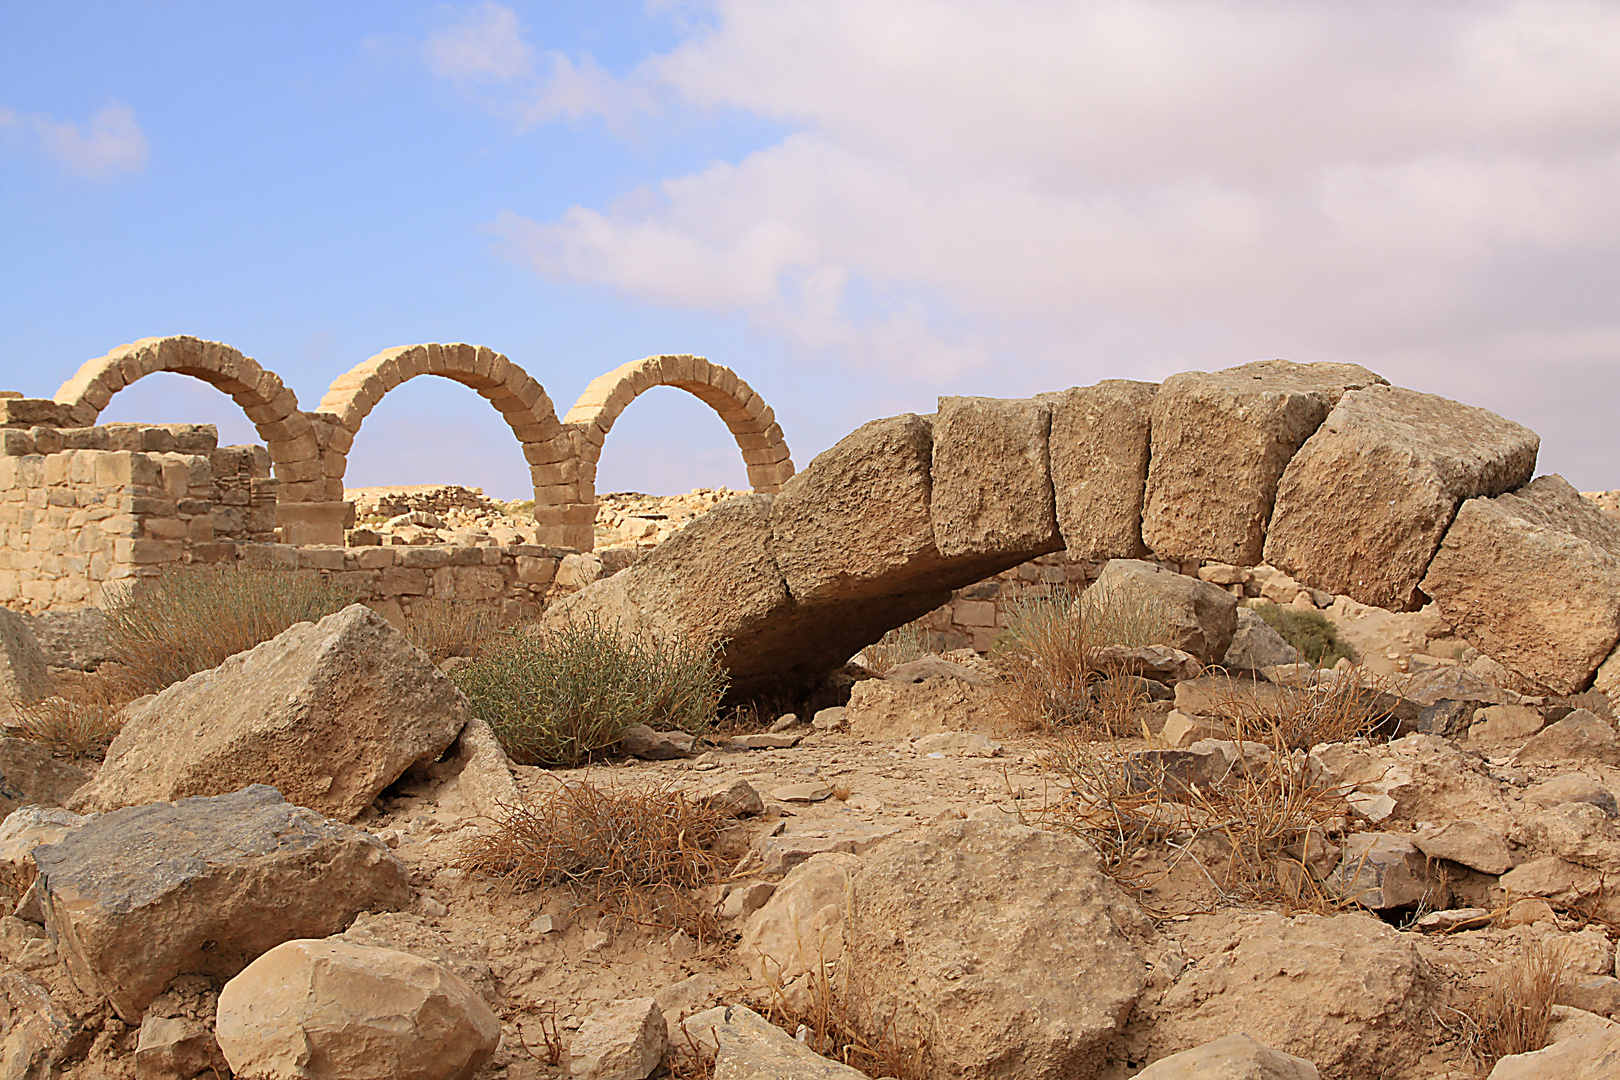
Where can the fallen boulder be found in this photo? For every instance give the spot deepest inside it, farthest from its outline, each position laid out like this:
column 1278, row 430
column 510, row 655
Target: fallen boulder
column 1532, row 579
column 206, row 885
column 333, row 1010
column 1363, row 505
column 1257, row 646
column 329, row 712
column 1236, row 1057
column 970, row 937
column 1198, row 618
column 749, row 1047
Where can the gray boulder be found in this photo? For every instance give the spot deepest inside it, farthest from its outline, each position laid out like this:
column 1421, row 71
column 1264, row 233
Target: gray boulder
column 137, row 896
column 330, row 712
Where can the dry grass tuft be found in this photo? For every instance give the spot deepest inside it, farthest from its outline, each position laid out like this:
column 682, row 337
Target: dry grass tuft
column 1354, row 704
column 899, row 646
column 78, row 719
column 1512, row 1011
column 827, row 1022
column 1248, row 832
column 188, row 619
column 443, row 629
column 633, row 850
column 1047, row 662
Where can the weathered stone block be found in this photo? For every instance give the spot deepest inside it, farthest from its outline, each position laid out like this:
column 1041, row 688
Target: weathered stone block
column 1362, row 507
column 1099, row 452
column 1220, row 443
column 992, row 479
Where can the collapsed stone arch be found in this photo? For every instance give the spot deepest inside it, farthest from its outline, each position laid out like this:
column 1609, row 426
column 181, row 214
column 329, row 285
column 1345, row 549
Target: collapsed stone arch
column 520, row 400
column 272, row 407
column 751, row 422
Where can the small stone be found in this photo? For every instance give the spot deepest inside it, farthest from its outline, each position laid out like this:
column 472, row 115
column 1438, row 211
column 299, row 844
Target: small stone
column 1383, row 871
column 745, row 899
column 1526, row 911
column 641, row 741
column 829, row 719
column 625, row 1041
column 957, row 744
column 1595, row 993
column 1466, row 842
column 806, row 793
column 542, row 924
column 737, row 800
column 170, row 1047
column 767, row 741
column 1580, row 736
column 1498, row 724
column 785, row 722
column 1573, row 787
column 1439, row 921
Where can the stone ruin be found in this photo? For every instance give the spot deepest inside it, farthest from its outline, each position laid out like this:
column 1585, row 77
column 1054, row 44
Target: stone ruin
column 292, row 821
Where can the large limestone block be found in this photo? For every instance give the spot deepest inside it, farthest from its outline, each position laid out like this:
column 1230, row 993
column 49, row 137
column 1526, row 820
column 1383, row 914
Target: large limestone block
column 24, row 678
column 206, row 885
column 1099, row 451
column 1363, row 505
column 992, row 479
column 1193, row 616
column 1236, row 1057
column 329, row 712
column 1347, row 993
column 1001, row 945
column 333, row 1010
column 801, row 927
column 1532, row 579
column 1220, row 443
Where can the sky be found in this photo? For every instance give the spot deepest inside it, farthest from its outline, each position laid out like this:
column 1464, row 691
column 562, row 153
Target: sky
column 857, row 205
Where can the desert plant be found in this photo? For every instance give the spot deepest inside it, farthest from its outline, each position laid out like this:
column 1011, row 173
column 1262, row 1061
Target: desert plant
column 555, row 696
column 442, row 629
column 630, row 849
column 75, row 720
column 899, row 646
column 188, row 619
column 834, row 1024
column 1311, row 632
column 1511, row 1012
column 1248, row 831
column 1048, row 657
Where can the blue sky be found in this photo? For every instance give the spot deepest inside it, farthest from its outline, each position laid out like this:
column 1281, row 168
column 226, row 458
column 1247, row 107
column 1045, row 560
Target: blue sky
column 856, row 204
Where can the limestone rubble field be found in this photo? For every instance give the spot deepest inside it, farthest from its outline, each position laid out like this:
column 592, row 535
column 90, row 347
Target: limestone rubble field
column 911, row 843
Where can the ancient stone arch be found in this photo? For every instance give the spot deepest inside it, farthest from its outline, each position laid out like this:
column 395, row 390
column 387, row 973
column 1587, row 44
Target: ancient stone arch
column 751, row 421
column 520, row 400
column 273, row 407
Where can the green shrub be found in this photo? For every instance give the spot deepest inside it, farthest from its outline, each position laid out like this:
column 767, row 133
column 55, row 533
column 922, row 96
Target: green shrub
column 188, row 619
column 556, row 696
column 1311, row 632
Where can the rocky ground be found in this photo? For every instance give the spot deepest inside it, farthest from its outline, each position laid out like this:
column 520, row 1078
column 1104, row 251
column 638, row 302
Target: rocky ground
column 270, row 869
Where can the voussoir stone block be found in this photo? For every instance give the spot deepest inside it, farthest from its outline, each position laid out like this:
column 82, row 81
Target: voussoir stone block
column 1532, row 579
column 135, row 897
column 992, row 479
column 1362, row 507
column 1099, row 450
column 330, row 712
column 1220, row 443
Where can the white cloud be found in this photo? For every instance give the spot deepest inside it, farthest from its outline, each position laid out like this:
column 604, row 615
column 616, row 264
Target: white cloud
column 1133, row 184
column 485, row 45
column 111, row 142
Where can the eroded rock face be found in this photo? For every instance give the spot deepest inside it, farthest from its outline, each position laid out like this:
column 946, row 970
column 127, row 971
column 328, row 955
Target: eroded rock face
column 1220, row 442
column 1362, row 507
column 974, row 932
column 23, row 675
column 1347, row 993
column 992, row 480
column 333, row 1010
column 1532, row 579
column 1099, row 452
column 1200, row 618
column 206, row 885
column 329, row 712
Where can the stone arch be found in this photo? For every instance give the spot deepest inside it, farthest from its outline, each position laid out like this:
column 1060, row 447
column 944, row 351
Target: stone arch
column 520, row 400
column 751, row 421
column 270, row 405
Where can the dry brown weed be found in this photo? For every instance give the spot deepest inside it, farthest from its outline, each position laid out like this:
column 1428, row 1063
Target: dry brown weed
column 1352, row 704
column 443, row 629
column 832, row 1025
column 634, row 850
column 80, row 718
column 1511, row 1012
